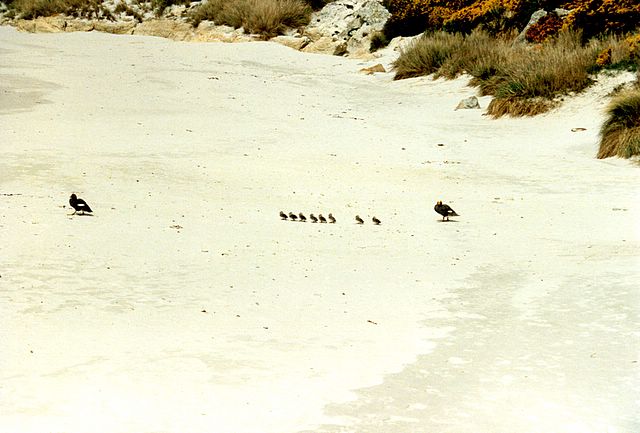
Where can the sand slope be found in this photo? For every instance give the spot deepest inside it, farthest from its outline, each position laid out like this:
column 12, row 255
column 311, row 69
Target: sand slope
column 186, row 305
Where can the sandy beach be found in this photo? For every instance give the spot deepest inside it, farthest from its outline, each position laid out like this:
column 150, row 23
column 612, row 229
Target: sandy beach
column 185, row 305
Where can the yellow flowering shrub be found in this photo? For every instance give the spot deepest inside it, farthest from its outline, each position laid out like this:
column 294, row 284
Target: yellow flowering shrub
column 633, row 43
column 593, row 17
column 601, row 16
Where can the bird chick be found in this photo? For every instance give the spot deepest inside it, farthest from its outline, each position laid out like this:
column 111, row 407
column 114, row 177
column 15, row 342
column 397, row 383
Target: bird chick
column 283, row 216
column 376, row 221
column 444, row 210
column 313, row 218
column 332, row 220
column 359, row 220
column 303, row 219
column 321, row 218
column 293, row 216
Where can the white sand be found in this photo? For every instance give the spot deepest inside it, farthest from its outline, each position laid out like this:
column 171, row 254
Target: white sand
column 522, row 316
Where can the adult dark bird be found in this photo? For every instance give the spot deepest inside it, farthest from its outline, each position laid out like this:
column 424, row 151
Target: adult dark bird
column 293, row 216
column 78, row 205
column 303, row 219
column 283, row 216
column 321, row 218
column 444, row 210
column 313, row 218
column 359, row 220
column 332, row 220
column 376, row 221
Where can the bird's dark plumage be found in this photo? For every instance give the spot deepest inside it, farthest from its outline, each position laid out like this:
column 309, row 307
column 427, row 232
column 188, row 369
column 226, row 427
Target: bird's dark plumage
column 283, row 215
column 321, row 218
column 332, row 220
column 359, row 220
column 313, row 218
column 376, row 221
column 444, row 210
column 79, row 205
column 293, row 216
column 302, row 217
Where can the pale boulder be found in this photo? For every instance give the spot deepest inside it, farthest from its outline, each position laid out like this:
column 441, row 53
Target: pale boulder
column 171, row 29
column 80, row 25
column 295, row 42
column 373, row 69
column 115, row 27
column 54, row 24
column 468, row 103
column 327, row 45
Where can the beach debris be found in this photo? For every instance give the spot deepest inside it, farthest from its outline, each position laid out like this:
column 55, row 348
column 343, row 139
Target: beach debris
column 176, row 226
column 79, row 205
column 313, row 218
column 332, row 220
column 372, row 322
column 578, row 129
column 376, row 221
column 303, row 219
column 283, row 216
column 293, row 216
column 359, row 220
column 444, row 210
column 321, row 218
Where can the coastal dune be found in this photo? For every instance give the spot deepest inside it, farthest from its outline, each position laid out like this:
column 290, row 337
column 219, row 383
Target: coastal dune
column 184, row 304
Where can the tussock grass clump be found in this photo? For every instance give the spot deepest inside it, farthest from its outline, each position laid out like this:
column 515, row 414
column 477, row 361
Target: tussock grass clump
column 378, row 40
column 449, row 55
column 31, row 9
column 265, row 17
column 620, row 133
column 427, row 55
column 519, row 107
column 526, row 80
column 557, row 68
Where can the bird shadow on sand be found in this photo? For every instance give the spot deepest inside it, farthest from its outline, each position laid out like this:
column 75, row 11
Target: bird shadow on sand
column 448, row 221
column 80, row 214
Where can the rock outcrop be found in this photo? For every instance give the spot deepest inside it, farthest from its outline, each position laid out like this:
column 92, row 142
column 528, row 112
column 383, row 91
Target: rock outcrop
column 346, row 27
column 342, row 27
column 165, row 28
column 115, row 27
column 537, row 16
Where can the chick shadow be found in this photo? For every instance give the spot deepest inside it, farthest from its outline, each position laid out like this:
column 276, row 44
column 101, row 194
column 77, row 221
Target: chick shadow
column 448, row 221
